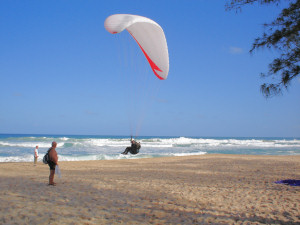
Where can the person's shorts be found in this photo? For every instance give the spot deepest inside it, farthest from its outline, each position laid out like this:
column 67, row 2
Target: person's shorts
column 52, row 165
column 134, row 151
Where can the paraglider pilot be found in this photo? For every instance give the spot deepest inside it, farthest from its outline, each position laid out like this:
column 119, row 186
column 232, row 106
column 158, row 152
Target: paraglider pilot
column 133, row 149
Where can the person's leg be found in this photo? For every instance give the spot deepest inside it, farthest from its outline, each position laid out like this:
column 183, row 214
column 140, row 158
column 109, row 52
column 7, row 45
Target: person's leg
column 51, row 177
column 126, row 151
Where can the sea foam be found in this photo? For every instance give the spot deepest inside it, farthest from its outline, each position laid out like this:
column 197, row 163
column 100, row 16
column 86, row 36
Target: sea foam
column 20, row 148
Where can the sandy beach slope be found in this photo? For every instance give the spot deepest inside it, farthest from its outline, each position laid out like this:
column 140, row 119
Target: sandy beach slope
column 207, row 189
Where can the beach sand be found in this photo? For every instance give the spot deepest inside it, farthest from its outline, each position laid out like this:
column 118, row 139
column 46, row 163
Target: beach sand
column 206, row 189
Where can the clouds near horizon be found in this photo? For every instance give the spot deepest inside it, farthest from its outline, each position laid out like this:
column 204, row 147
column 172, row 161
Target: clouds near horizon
column 235, row 50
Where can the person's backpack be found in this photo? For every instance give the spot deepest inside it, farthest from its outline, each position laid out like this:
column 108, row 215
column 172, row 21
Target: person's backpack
column 46, row 158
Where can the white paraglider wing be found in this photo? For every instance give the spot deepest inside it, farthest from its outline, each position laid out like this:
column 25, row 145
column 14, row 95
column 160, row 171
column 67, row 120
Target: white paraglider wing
column 149, row 36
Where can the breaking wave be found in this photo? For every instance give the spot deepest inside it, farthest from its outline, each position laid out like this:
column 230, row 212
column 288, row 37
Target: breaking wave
column 19, row 148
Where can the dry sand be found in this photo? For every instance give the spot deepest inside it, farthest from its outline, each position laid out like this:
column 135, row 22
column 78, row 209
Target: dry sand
column 207, row 189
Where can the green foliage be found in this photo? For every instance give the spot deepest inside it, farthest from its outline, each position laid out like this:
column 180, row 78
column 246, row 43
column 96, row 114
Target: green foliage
column 237, row 4
column 283, row 35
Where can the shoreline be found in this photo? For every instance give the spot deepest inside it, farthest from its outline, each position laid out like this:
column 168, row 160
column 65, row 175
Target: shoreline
column 134, row 157
column 209, row 188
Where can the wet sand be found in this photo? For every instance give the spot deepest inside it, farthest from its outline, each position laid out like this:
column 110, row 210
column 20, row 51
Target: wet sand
column 206, row 189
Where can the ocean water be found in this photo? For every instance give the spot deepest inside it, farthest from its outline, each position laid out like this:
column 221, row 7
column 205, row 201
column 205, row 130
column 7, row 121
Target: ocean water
column 20, row 148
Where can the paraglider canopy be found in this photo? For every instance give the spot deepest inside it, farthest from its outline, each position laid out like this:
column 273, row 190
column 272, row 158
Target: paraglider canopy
column 149, row 36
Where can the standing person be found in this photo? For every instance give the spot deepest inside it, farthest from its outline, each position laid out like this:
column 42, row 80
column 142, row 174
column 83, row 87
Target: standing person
column 53, row 159
column 36, row 154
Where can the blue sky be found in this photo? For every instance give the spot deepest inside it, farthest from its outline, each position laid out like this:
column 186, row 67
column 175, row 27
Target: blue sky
column 60, row 73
